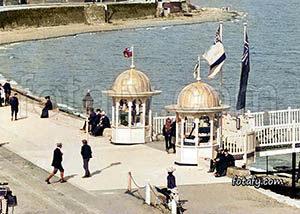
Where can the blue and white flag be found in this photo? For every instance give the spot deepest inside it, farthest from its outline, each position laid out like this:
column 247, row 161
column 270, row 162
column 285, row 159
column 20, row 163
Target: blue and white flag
column 215, row 57
column 241, row 103
column 218, row 36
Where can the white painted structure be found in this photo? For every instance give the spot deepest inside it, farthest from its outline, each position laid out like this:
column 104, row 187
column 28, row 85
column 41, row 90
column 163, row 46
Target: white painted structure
column 131, row 108
column 197, row 120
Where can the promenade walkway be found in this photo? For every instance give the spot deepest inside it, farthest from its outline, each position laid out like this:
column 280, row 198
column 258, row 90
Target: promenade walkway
column 33, row 139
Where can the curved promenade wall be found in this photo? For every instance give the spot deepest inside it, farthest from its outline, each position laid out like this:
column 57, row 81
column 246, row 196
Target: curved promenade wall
column 41, row 16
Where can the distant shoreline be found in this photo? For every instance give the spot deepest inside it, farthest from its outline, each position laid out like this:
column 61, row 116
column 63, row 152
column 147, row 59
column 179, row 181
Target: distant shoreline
column 40, row 33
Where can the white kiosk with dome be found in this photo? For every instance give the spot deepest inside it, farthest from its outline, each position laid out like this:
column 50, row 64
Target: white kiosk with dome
column 197, row 122
column 131, row 107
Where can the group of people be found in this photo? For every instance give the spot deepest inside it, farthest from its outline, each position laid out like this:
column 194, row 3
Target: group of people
column 219, row 165
column 97, row 122
column 169, row 132
column 6, row 99
column 86, row 153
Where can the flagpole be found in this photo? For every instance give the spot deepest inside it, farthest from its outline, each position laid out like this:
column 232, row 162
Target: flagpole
column 221, row 94
column 198, row 73
column 245, row 30
column 220, row 73
column 132, row 60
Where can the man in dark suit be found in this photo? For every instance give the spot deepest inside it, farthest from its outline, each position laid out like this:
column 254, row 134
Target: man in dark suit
column 226, row 161
column 86, row 153
column 14, row 104
column 103, row 124
column 56, row 163
column 7, row 90
column 214, row 163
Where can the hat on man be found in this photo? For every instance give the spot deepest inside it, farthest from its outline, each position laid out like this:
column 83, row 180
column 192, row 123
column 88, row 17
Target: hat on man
column 225, row 150
column 59, row 144
column 171, row 169
column 47, row 97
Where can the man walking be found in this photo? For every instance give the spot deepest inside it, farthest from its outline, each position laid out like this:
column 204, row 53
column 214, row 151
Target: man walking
column 7, row 90
column 56, row 163
column 86, row 153
column 14, row 104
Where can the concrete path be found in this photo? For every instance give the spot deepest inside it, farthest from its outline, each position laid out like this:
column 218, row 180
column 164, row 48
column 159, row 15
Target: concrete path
column 26, row 157
column 34, row 139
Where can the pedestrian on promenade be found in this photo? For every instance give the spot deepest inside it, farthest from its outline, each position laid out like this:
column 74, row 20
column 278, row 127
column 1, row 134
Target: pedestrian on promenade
column 173, row 136
column 48, row 106
column 91, row 121
column 86, row 153
column 7, row 90
column 2, row 95
column 56, row 163
column 14, row 104
column 167, row 133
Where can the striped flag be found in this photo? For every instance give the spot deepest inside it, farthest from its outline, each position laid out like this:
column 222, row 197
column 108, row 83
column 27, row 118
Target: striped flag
column 241, row 103
column 215, row 57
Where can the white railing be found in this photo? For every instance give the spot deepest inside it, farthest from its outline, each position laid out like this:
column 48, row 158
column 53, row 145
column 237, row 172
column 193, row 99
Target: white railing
column 240, row 144
column 158, row 124
column 274, row 135
column 278, row 117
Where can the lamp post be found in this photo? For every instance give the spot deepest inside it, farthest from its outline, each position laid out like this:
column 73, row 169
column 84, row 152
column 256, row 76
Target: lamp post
column 87, row 101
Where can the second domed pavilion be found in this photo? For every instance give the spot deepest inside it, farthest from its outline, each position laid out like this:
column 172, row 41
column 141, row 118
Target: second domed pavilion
column 197, row 122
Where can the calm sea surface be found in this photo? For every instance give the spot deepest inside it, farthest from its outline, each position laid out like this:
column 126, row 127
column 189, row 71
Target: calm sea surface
column 67, row 67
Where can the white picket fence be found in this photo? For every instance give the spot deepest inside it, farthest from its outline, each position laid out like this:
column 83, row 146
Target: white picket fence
column 278, row 117
column 274, row 135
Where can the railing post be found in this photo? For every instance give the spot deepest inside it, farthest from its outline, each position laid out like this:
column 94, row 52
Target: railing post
column 174, row 206
column 289, row 115
column 294, row 134
column 148, row 197
column 129, row 182
column 246, row 150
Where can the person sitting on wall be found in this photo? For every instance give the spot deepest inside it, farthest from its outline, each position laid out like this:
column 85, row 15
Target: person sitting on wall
column 171, row 184
column 48, row 106
column 226, row 161
column 214, row 163
column 103, row 124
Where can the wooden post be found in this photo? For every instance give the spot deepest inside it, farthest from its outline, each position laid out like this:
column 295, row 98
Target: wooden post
column 129, row 182
column 87, row 128
column 148, row 196
column 174, row 207
column 294, row 192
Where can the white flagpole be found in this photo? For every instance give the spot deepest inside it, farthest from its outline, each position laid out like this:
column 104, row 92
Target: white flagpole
column 132, row 60
column 221, row 95
column 198, row 73
column 220, row 73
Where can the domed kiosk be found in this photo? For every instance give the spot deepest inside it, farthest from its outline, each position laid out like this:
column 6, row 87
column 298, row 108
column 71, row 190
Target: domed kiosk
column 197, row 122
column 131, row 108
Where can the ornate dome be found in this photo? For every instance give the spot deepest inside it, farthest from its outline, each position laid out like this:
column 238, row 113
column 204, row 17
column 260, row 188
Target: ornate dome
column 131, row 82
column 198, row 95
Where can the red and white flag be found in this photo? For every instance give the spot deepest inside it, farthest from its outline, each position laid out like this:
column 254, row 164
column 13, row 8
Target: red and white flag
column 127, row 52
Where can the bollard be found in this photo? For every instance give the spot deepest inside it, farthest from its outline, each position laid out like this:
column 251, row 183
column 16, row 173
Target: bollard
column 174, row 206
column 129, row 182
column 148, row 197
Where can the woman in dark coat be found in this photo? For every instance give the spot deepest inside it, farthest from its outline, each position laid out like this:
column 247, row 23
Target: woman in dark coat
column 47, row 107
column 167, row 133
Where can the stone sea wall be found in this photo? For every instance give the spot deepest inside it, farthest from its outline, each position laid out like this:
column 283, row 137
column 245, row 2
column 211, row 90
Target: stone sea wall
column 73, row 14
